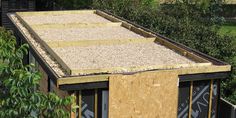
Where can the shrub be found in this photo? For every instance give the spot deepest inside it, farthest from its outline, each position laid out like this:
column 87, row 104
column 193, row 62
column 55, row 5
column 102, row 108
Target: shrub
column 19, row 95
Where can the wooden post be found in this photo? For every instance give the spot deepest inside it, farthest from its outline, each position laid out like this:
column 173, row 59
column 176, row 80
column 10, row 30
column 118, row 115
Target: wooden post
column 190, row 100
column 80, row 104
column 73, row 114
column 210, row 99
column 96, row 104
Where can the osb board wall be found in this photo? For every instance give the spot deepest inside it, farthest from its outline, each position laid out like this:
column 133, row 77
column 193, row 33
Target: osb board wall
column 143, row 95
column 59, row 92
column 43, row 83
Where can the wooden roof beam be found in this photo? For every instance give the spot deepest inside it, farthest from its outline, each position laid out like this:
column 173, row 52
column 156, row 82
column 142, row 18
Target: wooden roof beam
column 74, row 25
column 84, row 43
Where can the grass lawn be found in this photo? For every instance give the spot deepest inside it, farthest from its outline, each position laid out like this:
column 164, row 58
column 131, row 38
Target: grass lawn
column 228, row 29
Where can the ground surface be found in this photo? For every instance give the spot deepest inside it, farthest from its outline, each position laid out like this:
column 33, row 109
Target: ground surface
column 229, row 29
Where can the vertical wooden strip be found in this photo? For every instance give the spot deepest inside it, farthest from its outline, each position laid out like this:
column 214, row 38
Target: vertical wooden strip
column 210, row 100
column 96, row 104
column 73, row 114
column 218, row 99
column 190, row 100
column 80, row 104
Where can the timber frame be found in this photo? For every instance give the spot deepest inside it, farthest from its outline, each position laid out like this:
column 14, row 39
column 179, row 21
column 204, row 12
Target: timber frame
column 217, row 70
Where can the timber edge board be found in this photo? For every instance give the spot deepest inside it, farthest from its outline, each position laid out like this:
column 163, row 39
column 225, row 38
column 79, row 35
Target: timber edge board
column 182, row 71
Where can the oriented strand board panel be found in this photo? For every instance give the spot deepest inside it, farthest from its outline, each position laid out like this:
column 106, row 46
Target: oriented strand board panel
column 143, row 95
column 44, row 81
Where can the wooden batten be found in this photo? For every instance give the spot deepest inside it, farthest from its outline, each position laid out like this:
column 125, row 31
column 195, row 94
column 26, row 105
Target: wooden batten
column 182, row 51
column 109, row 17
column 73, row 25
column 136, row 69
column 137, row 30
column 206, row 69
column 79, row 80
column 84, row 43
column 181, row 71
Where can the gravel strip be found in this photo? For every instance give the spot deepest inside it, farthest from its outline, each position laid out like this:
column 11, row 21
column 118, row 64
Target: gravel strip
column 125, row 55
column 49, row 59
column 65, row 18
column 87, row 34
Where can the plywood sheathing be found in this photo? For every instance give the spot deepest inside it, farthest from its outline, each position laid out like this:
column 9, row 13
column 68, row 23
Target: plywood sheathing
column 143, row 95
column 39, row 48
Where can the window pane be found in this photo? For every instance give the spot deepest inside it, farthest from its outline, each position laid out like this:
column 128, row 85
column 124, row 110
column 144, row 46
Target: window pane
column 88, row 100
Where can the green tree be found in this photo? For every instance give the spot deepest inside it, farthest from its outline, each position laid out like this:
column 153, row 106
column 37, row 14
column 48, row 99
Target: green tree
column 73, row 4
column 195, row 23
column 20, row 96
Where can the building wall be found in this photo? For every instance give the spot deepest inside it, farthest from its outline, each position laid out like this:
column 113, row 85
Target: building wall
column 5, row 21
column 46, row 84
column 44, row 81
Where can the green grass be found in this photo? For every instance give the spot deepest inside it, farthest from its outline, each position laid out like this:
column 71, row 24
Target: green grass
column 228, row 29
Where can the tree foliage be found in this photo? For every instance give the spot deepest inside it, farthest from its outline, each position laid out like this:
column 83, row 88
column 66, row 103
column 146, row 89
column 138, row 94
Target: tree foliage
column 19, row 94
column 195, row 23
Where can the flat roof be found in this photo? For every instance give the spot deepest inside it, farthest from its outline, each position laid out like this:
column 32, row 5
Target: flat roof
column 86, row 42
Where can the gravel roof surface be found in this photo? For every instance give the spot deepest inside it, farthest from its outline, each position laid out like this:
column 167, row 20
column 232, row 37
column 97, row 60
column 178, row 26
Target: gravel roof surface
column 65, row 18
column 99, row 33
column 99, row 56
column 125, row 55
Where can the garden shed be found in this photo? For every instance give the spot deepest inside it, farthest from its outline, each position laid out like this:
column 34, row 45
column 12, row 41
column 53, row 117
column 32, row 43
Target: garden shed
column 118, row 69
column 14, row 6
